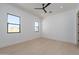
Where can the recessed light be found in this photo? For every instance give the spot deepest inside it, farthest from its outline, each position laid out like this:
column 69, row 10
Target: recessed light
column 61, row 6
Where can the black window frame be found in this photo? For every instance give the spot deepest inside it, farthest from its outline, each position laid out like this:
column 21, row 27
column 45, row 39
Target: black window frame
column 13, row 23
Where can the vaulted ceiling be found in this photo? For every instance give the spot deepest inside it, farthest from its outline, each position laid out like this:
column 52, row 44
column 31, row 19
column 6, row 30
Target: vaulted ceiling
column 53, row 8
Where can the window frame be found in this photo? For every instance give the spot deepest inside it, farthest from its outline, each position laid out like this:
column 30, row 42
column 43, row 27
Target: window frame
column 36, row 26
column 13, row 23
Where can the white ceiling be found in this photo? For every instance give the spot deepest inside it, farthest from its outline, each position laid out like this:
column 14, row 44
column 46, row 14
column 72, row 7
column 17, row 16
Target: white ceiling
column 54, row 7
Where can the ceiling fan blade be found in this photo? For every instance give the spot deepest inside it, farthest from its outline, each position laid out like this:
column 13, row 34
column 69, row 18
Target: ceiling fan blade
column 43, row 4
column 38, row 8
column 45, row 11
column 47, row 5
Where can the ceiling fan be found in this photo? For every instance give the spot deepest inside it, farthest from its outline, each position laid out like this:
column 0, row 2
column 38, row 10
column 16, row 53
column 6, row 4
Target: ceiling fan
column 43, row 7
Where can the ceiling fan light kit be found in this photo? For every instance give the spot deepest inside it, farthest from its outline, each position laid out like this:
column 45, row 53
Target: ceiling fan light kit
column 50, row 11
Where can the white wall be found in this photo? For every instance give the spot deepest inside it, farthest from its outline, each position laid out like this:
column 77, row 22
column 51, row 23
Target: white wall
column 61, row 26
column 27, row 26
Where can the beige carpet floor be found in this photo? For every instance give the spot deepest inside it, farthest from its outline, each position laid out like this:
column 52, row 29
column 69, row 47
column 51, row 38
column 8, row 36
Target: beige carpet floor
column 41, row 46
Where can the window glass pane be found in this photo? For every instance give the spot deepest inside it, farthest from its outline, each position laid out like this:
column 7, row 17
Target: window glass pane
column 36, row 28
column 36, row 23
column 13, row 28
column 13, row 19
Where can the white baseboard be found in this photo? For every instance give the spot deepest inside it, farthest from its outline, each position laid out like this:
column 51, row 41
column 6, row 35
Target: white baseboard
column 60, row 40
column 17, row 42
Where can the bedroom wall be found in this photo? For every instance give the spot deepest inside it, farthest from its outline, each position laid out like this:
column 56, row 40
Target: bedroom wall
column 61, row 26
column 27, row 26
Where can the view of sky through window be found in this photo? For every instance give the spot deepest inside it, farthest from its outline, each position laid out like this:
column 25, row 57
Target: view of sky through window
column 13, row 23
column 13, row 19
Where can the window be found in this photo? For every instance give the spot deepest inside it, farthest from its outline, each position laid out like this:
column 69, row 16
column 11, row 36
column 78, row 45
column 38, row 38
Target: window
column 13, row 25
column 36, row 27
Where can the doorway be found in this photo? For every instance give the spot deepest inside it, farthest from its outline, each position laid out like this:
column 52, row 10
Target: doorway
column 78, row 28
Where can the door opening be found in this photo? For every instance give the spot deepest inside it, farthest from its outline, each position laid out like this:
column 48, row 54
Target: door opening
column 78, row 28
